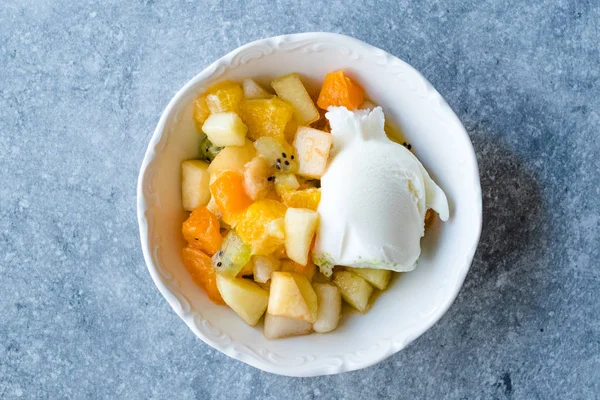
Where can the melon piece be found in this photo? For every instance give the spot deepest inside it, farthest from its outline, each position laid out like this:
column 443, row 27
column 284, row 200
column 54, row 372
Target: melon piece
column 225, row 129
column 291, row 89
column 355, row 290
column 300, row 227
column 195, row 181
column 253, row 90
column 292, row 296
column 245, row 297
column 330, row 307
column 380, row 278
column 277, row 327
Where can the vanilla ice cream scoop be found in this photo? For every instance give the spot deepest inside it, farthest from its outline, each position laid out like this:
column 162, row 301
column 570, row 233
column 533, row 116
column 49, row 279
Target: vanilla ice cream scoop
column 374, row 196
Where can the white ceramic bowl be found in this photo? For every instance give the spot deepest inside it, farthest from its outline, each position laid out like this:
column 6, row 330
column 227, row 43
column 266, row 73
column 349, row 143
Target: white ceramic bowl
column 413, row 302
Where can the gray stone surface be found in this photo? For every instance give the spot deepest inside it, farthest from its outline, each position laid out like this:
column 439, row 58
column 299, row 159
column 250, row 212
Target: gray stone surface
column 82, row 85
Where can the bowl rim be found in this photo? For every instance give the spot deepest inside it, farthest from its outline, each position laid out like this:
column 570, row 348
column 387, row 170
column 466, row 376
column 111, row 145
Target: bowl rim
column 151, row 152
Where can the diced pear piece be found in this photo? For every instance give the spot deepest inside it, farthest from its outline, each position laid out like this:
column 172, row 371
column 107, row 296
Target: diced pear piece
column 263, row 267
column 292, row 296
column 291, row 89
column 300, row 227
column 380, row 278
column 277, row 327
column 355, row 290
column 253, row 90
column 195, row 181
column 330, row 307
column 225, row 129
column 312, row 147
column 232, row 158
column 244, row 297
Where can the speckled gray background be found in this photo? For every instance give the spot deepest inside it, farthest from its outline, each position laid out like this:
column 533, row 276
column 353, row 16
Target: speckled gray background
column 82, row 85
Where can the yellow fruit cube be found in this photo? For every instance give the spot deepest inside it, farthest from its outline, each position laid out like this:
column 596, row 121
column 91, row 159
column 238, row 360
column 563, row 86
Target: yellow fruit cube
column 266, row 117
column 245, row 297
column 195, row 180
column 225, row 129
column 291, row 89
column 300, row 227
column 232, row 158
column 307, row 198
column 292, row 296
column 224, row 97
column 255, row 226
column 285, row 182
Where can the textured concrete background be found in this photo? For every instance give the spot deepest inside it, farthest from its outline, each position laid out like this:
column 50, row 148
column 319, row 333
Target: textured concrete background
column 82, row 85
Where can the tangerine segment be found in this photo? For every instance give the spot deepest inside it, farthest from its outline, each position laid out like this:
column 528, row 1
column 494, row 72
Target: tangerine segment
column 199, row 265
column 230, row 196
column 307, row 198
column 201, row 111
column 259, row 226
column 224, row 97
column 266, row 117
column 339, row 90
column 202, row 231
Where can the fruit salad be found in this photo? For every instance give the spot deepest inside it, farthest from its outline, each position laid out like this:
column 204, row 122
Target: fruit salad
column 299, row 203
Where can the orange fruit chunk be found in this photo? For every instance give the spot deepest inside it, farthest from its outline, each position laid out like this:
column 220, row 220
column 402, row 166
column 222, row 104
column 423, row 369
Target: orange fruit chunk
column 261, row 225
column 266, row 117
column 224, row 97
column 202, row 231
column 230, row 196
column 339, row 90
column 199, row 265
column 307, row 198
column 201, row 111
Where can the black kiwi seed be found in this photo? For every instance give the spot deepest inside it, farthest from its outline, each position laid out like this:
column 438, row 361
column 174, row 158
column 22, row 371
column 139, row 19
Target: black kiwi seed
column 287, row 162
column 219, row 264
column 284, row 155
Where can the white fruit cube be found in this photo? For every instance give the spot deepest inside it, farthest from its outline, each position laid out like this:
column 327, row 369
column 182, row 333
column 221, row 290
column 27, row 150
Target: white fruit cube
column 330, row 307
column 263, row 267
column 244, row 297
column 380, row 278
column 355, row 290
column 292, row 296
column 300, row 227
column 225, row 129
column 312, row 147
column 277, row 327
column 253, row 90
column 195, row 181
column 291, row 89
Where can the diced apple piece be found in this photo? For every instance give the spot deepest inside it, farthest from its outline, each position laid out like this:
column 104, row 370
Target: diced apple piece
column 233, row 256
column 277, row 327
column 225, row 129
column 291, row 89
column 253, row 90
column 356, row 291
column 244, row 297
column 256, row 178
column 276, row 228
column 307, row 270
column 313, row 148
column 195, row 181
column 330, row 307
column 380, row 278
column 232, row 158
column 279, row 155
column 300, row 227
column 263, row 267
column 292, row 296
